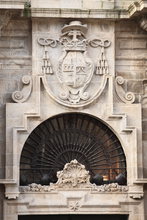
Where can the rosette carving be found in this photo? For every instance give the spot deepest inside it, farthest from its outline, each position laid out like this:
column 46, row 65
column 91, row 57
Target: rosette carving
column 23, row 95
column 126, row 97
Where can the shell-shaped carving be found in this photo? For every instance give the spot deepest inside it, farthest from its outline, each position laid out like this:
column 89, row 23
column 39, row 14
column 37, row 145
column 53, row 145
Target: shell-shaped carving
column 73, row 174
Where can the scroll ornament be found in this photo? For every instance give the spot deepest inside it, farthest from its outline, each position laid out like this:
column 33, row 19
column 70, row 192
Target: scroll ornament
column 23, row 95
column 126, row 97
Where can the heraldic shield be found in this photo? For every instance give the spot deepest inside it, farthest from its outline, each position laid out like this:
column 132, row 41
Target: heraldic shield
column 75, row 71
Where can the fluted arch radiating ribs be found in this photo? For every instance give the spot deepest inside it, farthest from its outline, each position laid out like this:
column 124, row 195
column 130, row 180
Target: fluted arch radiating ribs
column 65, row 137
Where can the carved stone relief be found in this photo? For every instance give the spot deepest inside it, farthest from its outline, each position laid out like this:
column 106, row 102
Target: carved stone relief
column 73, row 176
column 136, row 196
column 74, row 206
column 23, row 95
column 126, row 97
column 76, row 69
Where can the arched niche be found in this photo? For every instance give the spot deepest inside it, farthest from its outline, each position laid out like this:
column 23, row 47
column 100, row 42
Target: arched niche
column 65, row 137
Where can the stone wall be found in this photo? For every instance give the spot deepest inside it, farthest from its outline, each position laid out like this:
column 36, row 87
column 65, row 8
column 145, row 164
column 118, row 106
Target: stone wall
column 83, row 4
column 65, row 3
column 15, row 61
column 131, row 63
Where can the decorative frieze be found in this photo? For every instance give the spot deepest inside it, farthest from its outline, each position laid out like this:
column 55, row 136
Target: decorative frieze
column 73, row 176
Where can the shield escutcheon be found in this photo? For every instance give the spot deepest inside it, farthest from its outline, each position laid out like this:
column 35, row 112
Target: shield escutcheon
column 75, row 72
column 74, row 79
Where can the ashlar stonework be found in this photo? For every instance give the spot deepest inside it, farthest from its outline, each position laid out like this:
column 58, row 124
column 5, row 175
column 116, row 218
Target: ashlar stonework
column 84, row 57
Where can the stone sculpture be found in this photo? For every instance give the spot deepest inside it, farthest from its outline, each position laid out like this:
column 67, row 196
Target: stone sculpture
column 74, row 176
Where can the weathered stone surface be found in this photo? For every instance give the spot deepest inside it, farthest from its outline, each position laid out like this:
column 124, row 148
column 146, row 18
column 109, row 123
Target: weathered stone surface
column 77, row 4
column 15, row 62
column 118, row 50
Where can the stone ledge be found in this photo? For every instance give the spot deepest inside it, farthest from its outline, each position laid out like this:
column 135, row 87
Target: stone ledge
column 9, row 4
column 141, row 181
column 79, row 13
column 7, row 181
column 78, row 4
column 78, row 9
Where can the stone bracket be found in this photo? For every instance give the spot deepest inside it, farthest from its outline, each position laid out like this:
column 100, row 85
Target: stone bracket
column 11, row 191
column 136, row 195
column 126, row 97
column 23, row 95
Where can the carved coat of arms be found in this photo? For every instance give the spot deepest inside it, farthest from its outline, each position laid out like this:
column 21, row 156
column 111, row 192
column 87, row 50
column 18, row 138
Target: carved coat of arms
column 75, row 69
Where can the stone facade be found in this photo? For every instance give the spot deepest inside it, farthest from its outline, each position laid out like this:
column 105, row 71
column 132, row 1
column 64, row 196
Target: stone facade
column 84, row 57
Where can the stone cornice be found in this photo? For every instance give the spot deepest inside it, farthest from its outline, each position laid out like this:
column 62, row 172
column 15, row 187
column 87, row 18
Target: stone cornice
column 15, row 4
column 7, row 181
column 137, row 8
column 80, row 13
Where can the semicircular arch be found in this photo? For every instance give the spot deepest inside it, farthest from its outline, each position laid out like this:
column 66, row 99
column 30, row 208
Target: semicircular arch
column 68, row 136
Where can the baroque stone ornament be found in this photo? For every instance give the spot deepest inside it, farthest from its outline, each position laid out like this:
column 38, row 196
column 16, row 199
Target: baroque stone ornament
column 74, row 206
column 73, row 176
column 126, row 97
column 136, row 196
column 23, row 95
column 75, row 68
